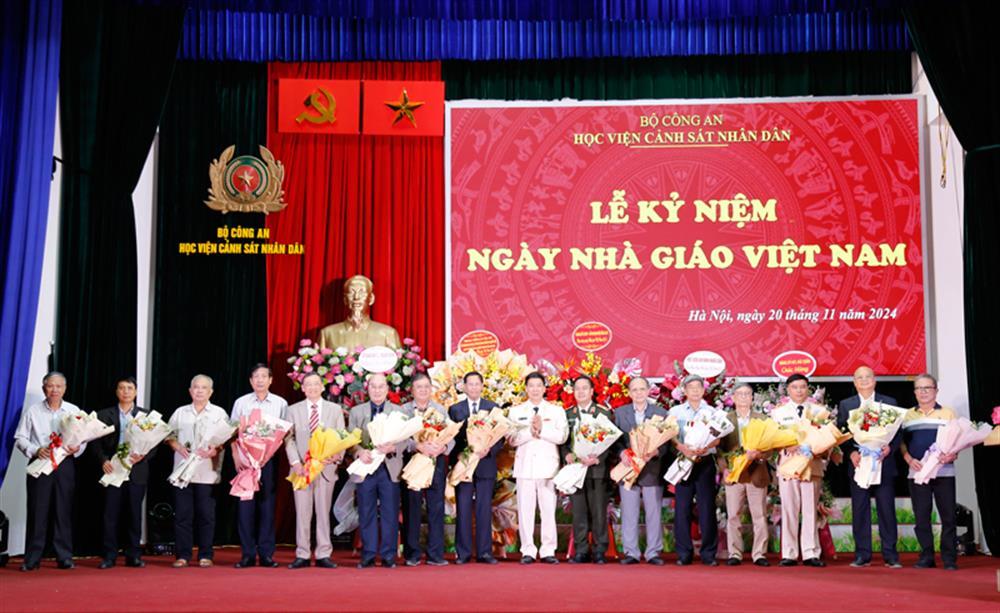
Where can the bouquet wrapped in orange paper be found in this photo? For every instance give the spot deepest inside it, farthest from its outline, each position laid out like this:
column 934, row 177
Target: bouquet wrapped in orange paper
column 813, row 441
column 323, row 445
column 438, row 430
column 482, row 431
column 761, row 435
column 644, row 441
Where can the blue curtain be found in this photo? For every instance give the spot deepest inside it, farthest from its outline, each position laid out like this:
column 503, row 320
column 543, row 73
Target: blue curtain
column 249, row 36
column 29, row 83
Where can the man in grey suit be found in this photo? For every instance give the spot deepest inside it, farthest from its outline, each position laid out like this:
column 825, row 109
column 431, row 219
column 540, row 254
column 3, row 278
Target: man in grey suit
column 649, row 485
column 306, row 416
column 378, row 494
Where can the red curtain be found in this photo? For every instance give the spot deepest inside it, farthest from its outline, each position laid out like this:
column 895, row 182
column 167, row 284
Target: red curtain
column 360, row 205
column 371, row 205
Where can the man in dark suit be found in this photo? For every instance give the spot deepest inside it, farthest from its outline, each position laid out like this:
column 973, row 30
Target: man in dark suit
column 474, row 500
column 130, row 494
column 648, row 488
column 589, row 503
column 884, row 493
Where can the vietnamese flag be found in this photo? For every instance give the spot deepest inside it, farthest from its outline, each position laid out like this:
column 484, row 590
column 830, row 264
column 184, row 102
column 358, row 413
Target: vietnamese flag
column 403, row 108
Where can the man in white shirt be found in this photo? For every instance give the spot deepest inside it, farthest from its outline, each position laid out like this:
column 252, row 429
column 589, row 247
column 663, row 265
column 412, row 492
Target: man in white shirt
column 36, row 436
column 197, row 500
column 700, row 483
column 540, row 428
column 255, row 517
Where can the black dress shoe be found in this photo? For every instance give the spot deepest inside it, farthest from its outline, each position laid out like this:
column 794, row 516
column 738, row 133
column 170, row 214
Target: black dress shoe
column 437, row 562
column 135, row 563
column 683, row 562
column 761, row 562
column 950, row 566
column 299, row 563
column 788, row 562
column 325, row 563
column 413, row 562
column 814, row 562
column 600, row 560
column 628, row 560
column 487, row 559
column 860, row 562
column 25, row 568
column 266, row 562
column 924, row 564
column 366, row 563
column 527, row 560
column 580, row 558
column 246, row 563
column 388, row 564
column 733, row 562
column 106, row 563
column 461, row 561
column 709, row 562
column 66, row 564
column 657, row 561
column 550, row 560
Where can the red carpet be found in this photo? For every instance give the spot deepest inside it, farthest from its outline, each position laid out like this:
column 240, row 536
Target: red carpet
column 505, row 587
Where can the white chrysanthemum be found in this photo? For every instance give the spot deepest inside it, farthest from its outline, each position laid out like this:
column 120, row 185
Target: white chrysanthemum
column 395, row 378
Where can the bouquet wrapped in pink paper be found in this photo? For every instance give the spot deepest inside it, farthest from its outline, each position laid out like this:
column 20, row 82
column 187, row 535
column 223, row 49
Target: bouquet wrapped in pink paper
column 994, row 436
column 258, row 437
column 591, row 436
column 482, row 431
column 386, row 429
column 873, row 425
column 74, row 430
column 437, row 430
column 953, row 437
column 142, row 434
column 643, row 441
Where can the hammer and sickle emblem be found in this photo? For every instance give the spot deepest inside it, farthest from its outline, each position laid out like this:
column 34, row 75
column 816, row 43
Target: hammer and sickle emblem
column 326, row 108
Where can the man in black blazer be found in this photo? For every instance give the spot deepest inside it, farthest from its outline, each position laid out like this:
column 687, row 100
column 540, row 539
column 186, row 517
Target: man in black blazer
column 483, row 480
column 131, row 493
column 884, row 493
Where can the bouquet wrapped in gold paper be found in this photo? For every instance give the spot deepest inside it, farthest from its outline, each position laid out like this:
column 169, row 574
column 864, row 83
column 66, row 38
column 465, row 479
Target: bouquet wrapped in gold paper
column 323, row 445
column 762, row 435
column 813, row 441
column 438, row 430
column 482, row 431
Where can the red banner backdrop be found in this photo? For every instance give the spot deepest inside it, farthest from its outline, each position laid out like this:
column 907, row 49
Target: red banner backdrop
column 799, row 231
column 371, row 205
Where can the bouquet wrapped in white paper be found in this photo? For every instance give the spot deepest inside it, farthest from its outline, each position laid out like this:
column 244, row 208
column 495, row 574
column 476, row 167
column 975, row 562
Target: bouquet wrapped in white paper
column 698, row 434
column 74, row 430
column 956, row 435
column 592, row 436
column 142, row 434
column 213, row 436
column 386, row 429
column 873, row 425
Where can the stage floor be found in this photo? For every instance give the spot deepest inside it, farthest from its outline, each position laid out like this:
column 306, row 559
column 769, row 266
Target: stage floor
column 504, row 587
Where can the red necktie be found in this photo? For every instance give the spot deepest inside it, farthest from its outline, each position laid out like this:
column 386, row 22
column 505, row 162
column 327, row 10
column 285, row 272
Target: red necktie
column 313, row 419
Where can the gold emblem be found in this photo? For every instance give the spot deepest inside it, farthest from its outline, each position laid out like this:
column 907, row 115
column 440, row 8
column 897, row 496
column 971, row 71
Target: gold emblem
column 404, row 107
column 327, row 109
column 246, row 184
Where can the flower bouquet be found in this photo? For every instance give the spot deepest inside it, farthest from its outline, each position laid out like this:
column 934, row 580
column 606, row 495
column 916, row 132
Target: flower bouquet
column 644, row 440
column 592, row 436
column 669, row 393
column 482, row 431
column 142, row 434
column 813, row 441
column 503, row 376
column 699, row 434
column 324, row 443
column 994, row 437
column 610, row 384
column 953, row 437
column 437, row 430
column 760, row 435
column 214, row 435
column 258, row 437
column 386, row 429
column 75, row 429
column 873, row 425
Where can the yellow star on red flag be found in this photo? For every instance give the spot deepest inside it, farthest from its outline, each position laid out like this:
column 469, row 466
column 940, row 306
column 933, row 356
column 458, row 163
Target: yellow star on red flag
column 404, row 107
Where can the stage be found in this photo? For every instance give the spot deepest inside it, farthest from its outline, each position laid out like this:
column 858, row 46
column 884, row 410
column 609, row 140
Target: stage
column 504, row 587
